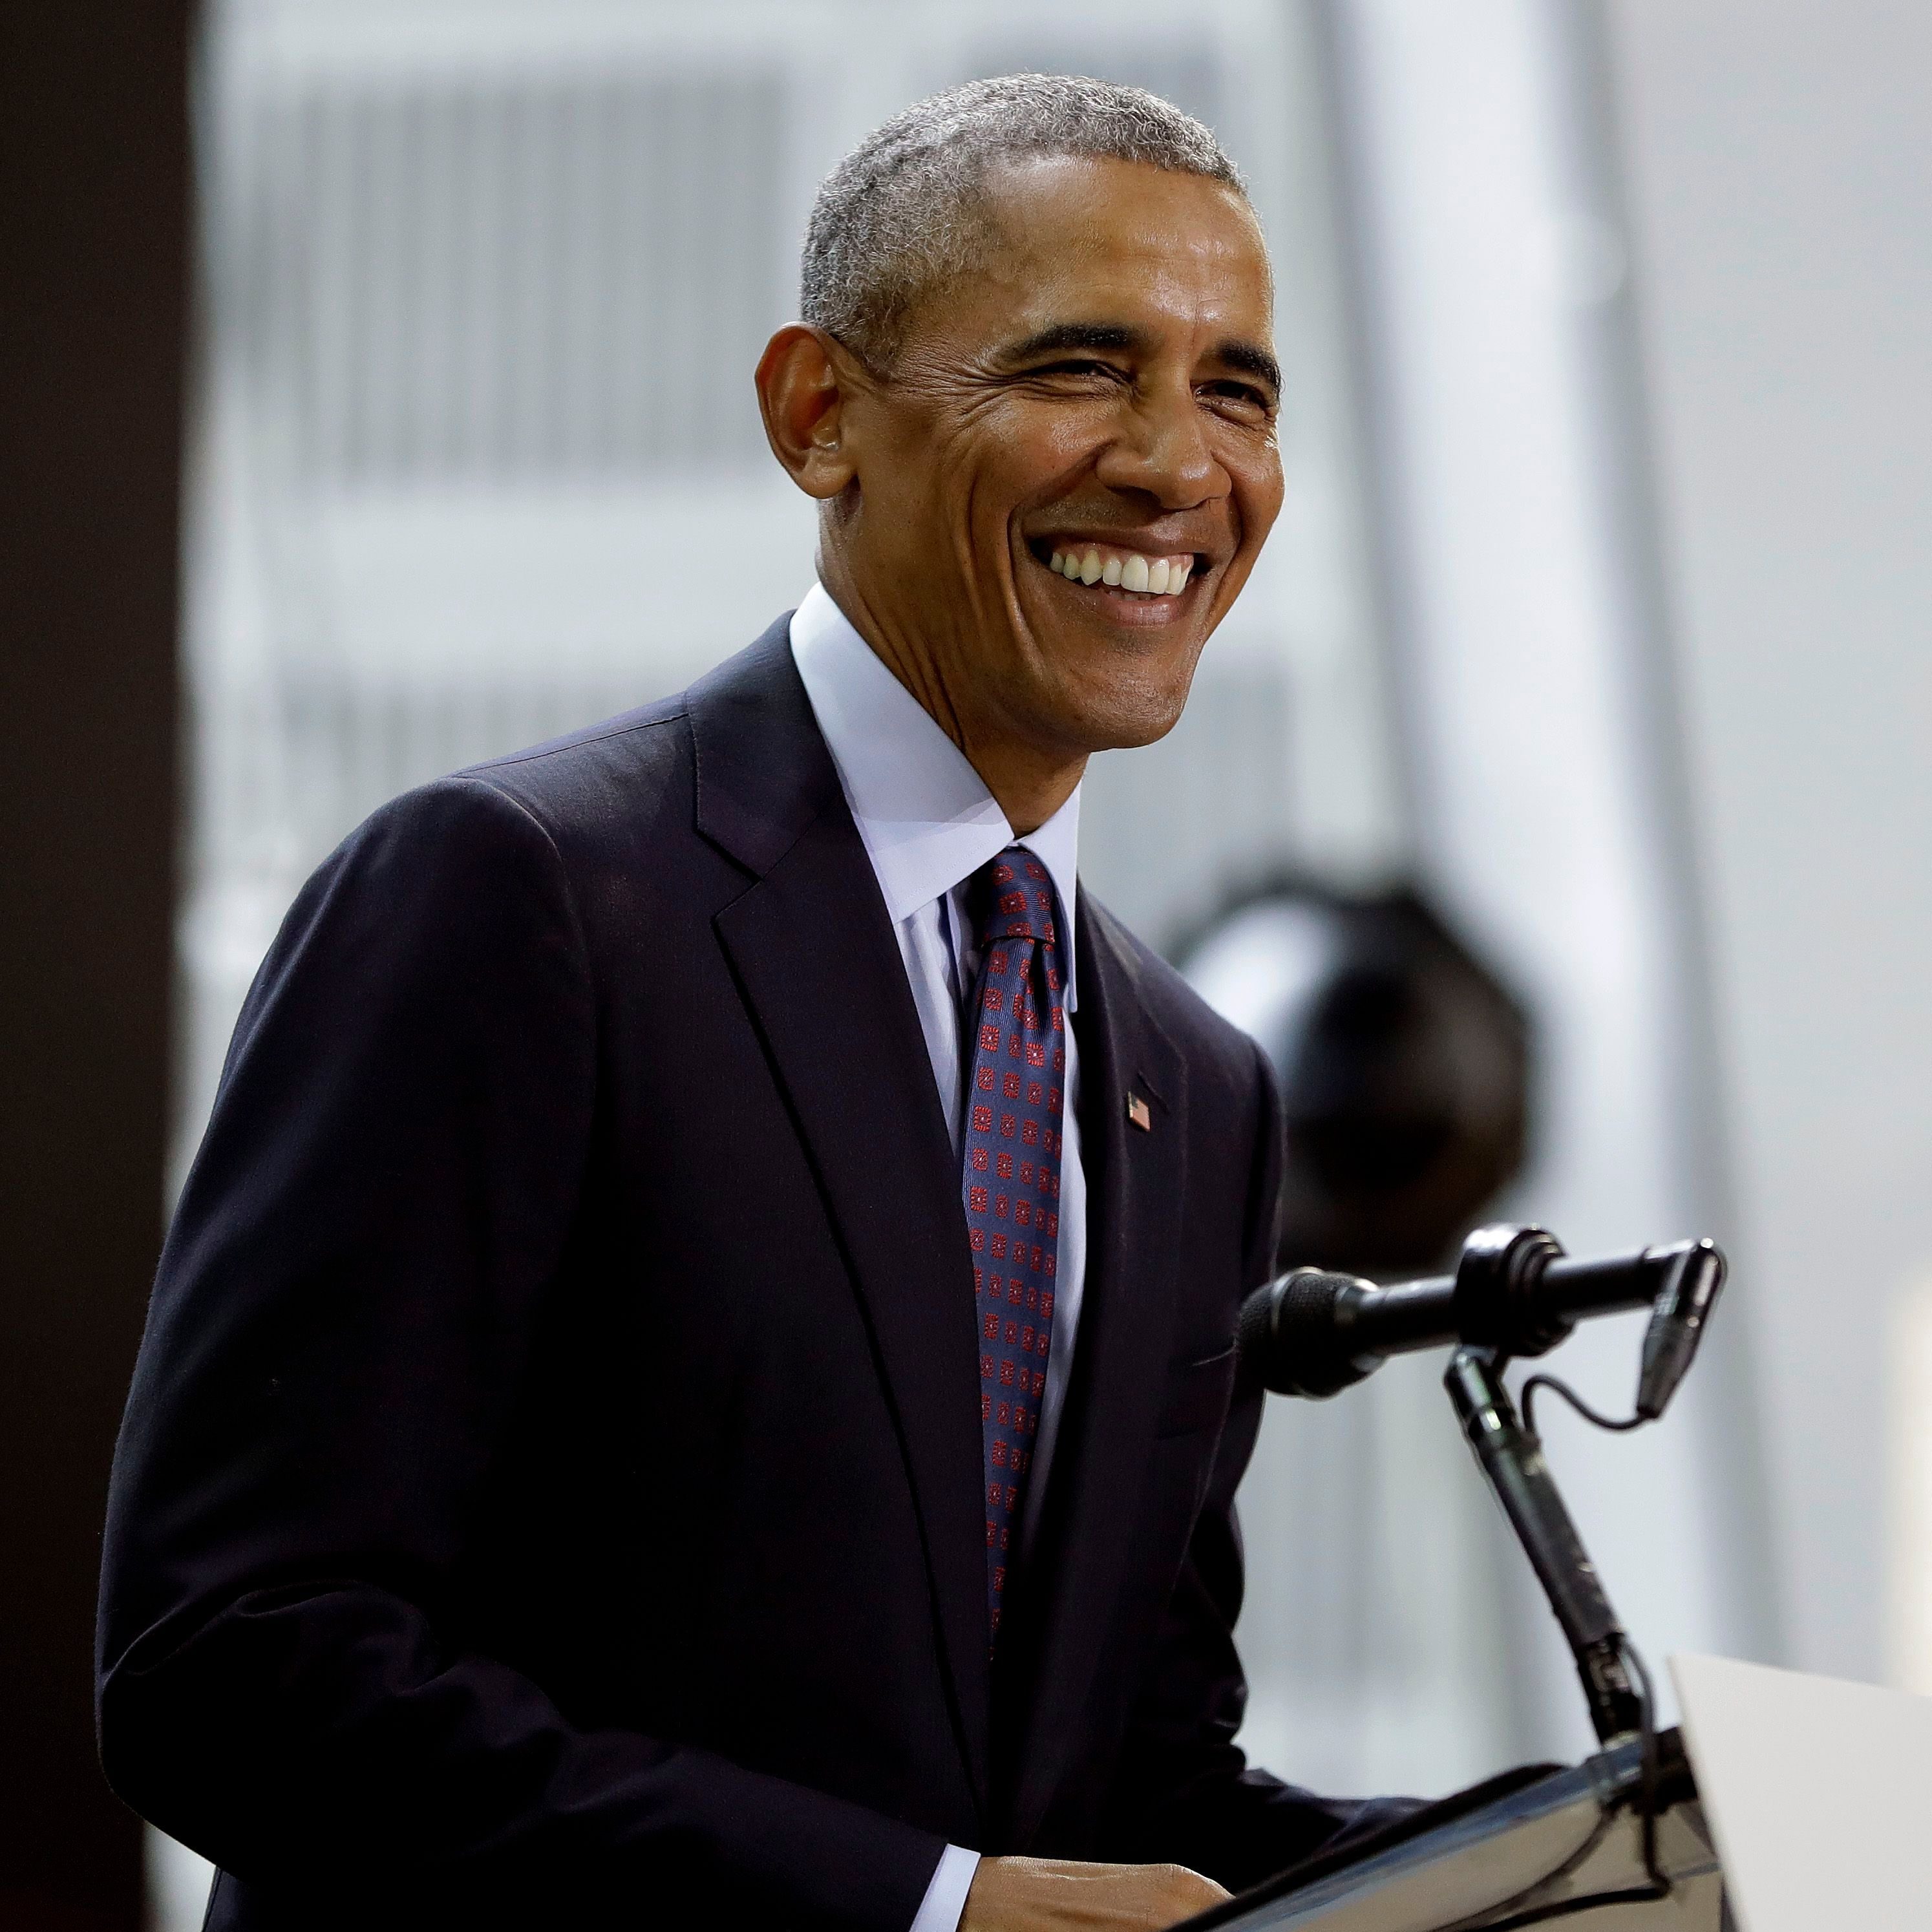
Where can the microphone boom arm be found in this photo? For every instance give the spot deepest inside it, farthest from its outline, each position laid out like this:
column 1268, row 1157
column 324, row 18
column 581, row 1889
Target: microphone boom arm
column 1312, row 1332
column 1512, row 1460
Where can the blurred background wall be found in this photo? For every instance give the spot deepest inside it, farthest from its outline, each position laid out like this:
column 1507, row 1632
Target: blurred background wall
column 1778, row 161
column 1596, row 613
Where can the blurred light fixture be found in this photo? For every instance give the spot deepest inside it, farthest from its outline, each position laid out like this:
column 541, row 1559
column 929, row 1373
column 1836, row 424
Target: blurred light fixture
column 1403, row 1062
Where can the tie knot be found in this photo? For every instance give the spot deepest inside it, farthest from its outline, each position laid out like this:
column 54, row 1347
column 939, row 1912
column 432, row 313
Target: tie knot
column 1013, row 898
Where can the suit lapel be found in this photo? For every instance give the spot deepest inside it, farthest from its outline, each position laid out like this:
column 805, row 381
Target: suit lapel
column 1136, row 1182
column 820, row 972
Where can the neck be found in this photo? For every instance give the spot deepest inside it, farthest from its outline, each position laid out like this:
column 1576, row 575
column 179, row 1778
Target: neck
column 1029, row 782
column 1029, row 794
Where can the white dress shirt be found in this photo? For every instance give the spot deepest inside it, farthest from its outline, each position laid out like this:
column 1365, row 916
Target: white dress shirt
column 928, row 823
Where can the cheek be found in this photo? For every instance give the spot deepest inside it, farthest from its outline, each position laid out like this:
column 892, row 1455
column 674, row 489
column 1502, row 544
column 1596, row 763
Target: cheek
column 1256, row 474
column 1019, row 459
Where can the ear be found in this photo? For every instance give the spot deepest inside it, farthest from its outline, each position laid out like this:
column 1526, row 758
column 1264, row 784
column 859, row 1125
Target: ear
column 805, row 381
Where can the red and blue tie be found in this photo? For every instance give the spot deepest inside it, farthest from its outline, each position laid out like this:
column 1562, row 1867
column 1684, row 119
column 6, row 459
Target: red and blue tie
column 1016, row 1078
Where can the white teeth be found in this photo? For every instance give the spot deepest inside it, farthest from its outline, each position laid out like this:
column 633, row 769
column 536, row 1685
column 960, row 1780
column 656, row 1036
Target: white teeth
column 1157, row 577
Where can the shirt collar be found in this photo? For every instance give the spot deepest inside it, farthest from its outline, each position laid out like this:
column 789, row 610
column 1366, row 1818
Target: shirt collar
column 928, row 821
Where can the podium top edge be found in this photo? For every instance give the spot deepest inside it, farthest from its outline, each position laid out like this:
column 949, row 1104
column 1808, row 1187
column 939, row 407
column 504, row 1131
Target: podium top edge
column 1449, row 1824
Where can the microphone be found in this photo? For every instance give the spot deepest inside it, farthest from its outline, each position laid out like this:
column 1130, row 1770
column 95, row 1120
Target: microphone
column 1312, row 1332
column 1514, row 1292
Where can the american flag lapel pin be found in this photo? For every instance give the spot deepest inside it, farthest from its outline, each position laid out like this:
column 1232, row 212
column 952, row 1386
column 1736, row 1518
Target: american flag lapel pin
column 1137, row 1113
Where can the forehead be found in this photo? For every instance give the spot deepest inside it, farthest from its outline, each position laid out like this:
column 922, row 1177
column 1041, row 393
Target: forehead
column 1119, row 240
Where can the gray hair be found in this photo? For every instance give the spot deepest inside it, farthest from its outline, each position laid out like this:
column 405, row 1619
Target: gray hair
column 906, row 212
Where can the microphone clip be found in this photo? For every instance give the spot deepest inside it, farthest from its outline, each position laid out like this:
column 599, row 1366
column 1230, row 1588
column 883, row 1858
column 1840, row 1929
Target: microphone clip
column 1498, row 1304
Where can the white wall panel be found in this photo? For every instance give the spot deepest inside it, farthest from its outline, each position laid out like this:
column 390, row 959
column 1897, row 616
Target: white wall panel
column 1779, row 157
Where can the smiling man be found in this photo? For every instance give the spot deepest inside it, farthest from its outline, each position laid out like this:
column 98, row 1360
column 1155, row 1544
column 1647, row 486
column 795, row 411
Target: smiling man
column 692, row 1380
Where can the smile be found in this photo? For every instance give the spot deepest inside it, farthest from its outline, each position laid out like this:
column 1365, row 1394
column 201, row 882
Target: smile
column 1121, row 569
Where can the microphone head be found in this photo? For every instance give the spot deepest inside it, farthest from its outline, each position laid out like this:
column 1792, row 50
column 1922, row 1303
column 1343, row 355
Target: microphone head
column 1289, row 1339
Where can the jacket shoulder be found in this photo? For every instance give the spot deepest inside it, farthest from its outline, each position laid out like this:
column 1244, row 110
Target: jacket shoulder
column 600, row 777
column 645, row 771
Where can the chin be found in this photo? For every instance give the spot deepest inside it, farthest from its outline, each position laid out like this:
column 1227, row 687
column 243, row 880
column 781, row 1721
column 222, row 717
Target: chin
column 1130, row 737
column 1123, row 720
column 1130, row 711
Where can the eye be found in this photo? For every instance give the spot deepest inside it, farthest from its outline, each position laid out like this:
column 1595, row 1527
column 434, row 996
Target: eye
column 1244, row 400
column 1086, row 368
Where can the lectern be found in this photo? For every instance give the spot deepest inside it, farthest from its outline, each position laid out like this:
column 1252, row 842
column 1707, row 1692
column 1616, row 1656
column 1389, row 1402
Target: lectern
column 1533, row 1847
column 1797, row 1803
column 1790, row 1804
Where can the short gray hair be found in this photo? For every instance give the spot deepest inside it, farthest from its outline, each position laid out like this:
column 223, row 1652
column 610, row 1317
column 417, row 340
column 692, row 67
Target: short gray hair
column 905, row 211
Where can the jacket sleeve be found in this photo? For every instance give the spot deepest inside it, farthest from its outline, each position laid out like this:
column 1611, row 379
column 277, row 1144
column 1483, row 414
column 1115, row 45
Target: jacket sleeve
column 1185, row 1793
column 343, row 1320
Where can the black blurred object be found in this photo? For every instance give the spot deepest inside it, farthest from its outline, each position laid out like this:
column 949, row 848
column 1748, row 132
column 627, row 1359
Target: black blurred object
column 1403, row 1062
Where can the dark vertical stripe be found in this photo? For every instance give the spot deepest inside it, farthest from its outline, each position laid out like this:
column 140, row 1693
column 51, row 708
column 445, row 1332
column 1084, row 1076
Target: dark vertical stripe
column 93, row 205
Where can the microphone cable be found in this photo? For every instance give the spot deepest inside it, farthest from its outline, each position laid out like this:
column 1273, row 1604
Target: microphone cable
column 1557, row 1386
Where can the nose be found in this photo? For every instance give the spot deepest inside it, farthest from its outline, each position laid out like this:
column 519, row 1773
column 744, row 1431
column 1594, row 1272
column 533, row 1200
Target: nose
column 1164, row 451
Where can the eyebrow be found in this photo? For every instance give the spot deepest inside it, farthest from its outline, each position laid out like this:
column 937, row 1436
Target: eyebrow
column 1075, row 335
column 1248, row 357
column 1251, row 360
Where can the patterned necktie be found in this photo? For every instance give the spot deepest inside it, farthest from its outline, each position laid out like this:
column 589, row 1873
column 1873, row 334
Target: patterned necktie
column 1015, row 1079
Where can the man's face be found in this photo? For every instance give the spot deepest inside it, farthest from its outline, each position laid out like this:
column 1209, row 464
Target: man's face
column 1105, row 393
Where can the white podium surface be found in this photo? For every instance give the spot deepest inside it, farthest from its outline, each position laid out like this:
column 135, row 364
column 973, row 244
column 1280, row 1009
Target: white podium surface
column 1819, row 1795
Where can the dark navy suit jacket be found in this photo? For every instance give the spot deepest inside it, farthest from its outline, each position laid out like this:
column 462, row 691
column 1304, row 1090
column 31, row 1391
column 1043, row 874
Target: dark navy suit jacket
column 550, row 1490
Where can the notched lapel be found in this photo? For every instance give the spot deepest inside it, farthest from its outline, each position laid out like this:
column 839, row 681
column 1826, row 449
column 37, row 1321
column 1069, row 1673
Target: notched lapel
column 1136, row 1182
column 813, row 950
